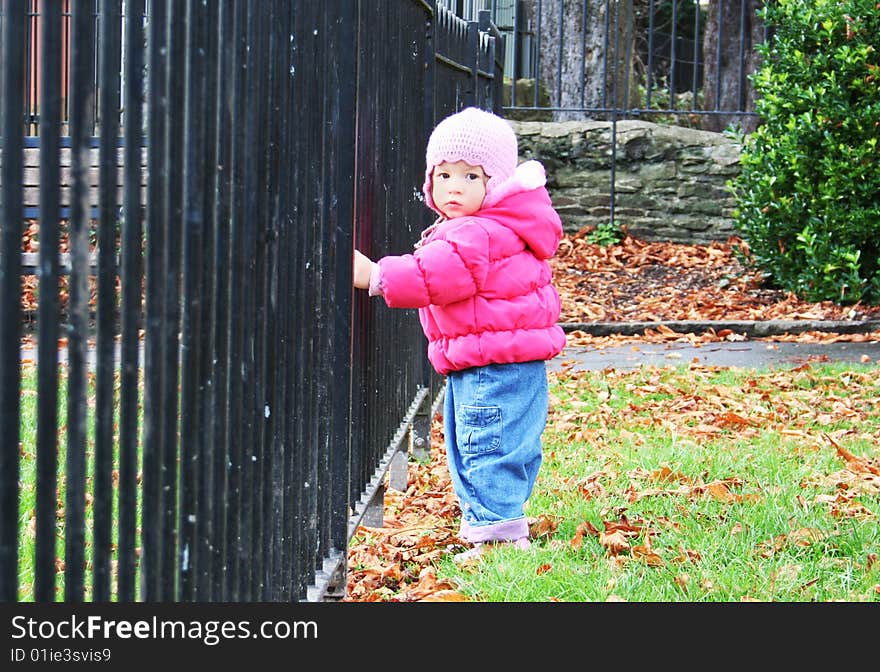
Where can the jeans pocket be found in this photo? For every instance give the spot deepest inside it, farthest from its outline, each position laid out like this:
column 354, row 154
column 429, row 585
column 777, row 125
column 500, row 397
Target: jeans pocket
column 480, row 429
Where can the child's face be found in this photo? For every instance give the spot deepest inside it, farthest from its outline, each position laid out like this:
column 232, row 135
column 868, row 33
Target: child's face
column 458, row 188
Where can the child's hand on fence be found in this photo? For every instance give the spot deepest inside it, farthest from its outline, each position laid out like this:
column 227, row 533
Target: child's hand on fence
column 362, row 269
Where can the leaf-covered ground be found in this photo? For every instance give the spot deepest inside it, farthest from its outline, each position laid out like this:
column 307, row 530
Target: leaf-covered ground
column 630, row 281
column 652, row 281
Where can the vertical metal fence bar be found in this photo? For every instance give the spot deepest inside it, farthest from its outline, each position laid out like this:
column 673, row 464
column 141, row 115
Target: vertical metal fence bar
column 623, row 60
column 649, row 83
column 237, row 318
column 151, row 568
column 317, row 446
column 132, row 268
column 190, row 351
column 428, row 67
column 65, row 64
column 173, row 237
column 362, row 239
column 343, row 92
column 628, row 53
column 11, row 109
column 277, row 532
column 311, row 199
column 208, row 449
column 719, row 53
column 743, row 30
column 515, row 39
column 472, row 95
column 294, row 467
column 268, row 307
column 612, row 198
column 673, row 54
column 605, row 55
column 31, row 67
column 81, row 102
column 560, row 50
column 47, row 383
column 247, row 278
column 285, row 532
column 261, row 316
column 275, row 71
column 537, row 66
column 109, row 87
column 584, row 14
column 695, row 82
column 221, row 317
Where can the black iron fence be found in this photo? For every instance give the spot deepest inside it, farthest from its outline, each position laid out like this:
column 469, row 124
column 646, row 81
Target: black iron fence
column 223, row 409
column 679, row 62
column 598, row 59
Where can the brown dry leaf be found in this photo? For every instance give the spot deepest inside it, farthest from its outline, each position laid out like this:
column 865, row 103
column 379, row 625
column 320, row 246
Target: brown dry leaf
column 648, row 555
column 720, row 492
column 543, row 526
column 584, row 528
column 614, row 542
column 731, row 418
column 543, row 569
column 666, row 475
column 805, row 536
column 858, row 464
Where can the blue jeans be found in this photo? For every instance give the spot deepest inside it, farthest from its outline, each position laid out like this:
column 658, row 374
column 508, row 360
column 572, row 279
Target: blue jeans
column 493, row 417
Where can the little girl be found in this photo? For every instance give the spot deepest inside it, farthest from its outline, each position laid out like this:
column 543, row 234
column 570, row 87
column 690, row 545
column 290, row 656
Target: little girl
column 481, row 281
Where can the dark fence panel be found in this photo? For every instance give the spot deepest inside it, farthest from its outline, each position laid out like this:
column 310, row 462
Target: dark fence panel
column 469, row 63
column 232, row 407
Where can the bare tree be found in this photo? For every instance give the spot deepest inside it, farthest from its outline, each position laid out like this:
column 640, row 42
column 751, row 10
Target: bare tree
column 733, row 30
column 585, row 55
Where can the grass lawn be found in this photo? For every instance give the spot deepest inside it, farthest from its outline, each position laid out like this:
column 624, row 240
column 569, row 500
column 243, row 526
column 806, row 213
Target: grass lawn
column 27, row 479
column 700, row 484
column 659, row 484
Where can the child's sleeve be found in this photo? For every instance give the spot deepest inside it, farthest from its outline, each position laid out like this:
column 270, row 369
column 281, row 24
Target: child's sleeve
column 438, row 273
column 375, row 280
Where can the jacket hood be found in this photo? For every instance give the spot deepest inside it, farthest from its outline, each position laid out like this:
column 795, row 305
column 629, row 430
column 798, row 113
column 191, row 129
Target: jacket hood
column 522, row 204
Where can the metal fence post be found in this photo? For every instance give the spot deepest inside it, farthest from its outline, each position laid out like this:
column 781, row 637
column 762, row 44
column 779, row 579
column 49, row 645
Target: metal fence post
column 11, row 111
column 472, row 94
column 420, row 433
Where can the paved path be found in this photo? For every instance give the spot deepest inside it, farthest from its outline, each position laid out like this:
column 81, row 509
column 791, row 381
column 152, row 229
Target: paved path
column 749, row 354
column 752, row 353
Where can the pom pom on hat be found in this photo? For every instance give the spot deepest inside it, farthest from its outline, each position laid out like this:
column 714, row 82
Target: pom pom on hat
column 476, row 137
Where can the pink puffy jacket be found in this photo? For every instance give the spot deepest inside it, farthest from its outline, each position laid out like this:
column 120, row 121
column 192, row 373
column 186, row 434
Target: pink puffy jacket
column 482, row 283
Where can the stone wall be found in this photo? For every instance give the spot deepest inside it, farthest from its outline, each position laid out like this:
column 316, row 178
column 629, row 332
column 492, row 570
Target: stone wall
column 670, row 181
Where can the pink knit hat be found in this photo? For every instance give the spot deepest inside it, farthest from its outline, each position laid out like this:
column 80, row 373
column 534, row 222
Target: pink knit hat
column 476, row 137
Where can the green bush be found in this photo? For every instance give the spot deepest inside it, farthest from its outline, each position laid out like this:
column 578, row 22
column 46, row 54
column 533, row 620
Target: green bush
column 808, row 193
